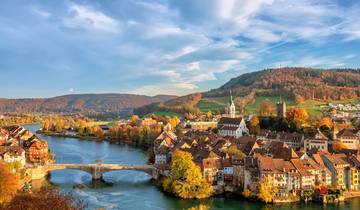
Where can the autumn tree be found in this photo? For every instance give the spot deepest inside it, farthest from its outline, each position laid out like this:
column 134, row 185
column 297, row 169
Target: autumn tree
column 97, row 131
column 186, row 180
column 266, row 108
column 46, row 124
column 59, row 124
column 326, row 121
column 297, row 115
column 339, row 146
column 233, row 151
column 254, row 125
column 299, row 99
column 9, row 183
column 174, row 121
column 134, row 119
column 266, row 190
column 44, row 199
column 241, row 104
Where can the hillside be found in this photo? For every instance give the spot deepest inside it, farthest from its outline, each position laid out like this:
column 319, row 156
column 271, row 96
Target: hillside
column 293, row 84
column 80, row 103
column 314, row 84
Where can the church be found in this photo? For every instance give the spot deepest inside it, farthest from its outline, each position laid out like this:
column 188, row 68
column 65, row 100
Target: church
column 231, row 125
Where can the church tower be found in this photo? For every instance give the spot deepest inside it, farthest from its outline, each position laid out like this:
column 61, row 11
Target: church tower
column 281, row 108
column 230, row 109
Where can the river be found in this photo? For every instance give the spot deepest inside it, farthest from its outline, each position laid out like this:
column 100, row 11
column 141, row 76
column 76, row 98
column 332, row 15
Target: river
column 134, row 190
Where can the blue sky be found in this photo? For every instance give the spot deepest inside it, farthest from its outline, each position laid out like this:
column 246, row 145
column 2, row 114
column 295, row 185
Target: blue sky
column 50, row 48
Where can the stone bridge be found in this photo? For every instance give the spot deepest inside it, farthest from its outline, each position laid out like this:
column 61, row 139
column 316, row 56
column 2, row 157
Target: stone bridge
column 96, row 170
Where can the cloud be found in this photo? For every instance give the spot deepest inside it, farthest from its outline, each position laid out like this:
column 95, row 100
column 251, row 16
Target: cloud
column 175, row 45
column 171, row 89
column 71, row 90
column 90, row 19
column 40, row 12
column 317, row 62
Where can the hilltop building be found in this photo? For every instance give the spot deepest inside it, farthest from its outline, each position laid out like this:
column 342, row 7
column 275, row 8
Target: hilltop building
column 281, row 108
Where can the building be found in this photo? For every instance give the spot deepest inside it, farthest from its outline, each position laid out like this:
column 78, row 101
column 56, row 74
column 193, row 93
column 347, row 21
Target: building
column 162, row 155
column 281, row 173
column 235, row 127
column 281, row 108
column 37, row 151
column 146, row 122
column 337, row 165
column 202, row 125
column 230, row 109
column 348, row 137
column 354, row 175
column 293, row 140
column 319, row 142
column 13, row 154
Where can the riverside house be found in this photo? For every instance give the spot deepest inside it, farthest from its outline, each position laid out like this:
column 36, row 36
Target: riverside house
column 337, row 164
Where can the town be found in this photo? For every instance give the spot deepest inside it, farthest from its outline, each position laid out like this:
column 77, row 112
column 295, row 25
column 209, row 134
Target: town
column 232, row 152
column 295, row 166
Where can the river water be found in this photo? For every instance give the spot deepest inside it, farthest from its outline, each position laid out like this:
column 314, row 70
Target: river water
column 134, row 190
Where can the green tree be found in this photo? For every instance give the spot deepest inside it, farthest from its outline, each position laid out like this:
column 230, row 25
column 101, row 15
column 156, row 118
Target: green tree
column 186, row 180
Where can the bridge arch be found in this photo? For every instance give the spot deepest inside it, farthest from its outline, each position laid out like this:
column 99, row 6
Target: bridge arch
column 97, row 170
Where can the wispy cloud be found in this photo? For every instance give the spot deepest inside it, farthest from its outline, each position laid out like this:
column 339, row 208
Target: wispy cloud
column 90, row 19
column 40, row 12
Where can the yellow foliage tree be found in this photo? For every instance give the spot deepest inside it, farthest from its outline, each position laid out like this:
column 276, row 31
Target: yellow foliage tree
column 326, row 121
column 9, row 183
column 233, row 151
column 339, row 146
column 186, row 180
column 97, row 131
column 254, row 125
column 266, row 108
column 174, row 121
column 134, row 118
column 266, row 190
column 298, row 115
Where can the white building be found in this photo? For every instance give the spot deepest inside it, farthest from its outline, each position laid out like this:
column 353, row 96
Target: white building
column 319, row 142
column 235, row 127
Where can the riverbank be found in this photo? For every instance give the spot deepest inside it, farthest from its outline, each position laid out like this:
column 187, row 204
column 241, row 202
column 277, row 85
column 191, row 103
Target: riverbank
column 63, row 135
column 91, row 138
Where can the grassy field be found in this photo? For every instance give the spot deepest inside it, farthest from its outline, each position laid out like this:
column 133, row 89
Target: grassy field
column 92, row 123
column 253, row 108
column 212, row 104
column 161, row 113
column 313, row 107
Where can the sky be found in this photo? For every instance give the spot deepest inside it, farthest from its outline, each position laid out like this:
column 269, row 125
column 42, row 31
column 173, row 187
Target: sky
column 50, row 48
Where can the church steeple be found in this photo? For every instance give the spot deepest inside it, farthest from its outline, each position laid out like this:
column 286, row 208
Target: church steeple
column 230, row 109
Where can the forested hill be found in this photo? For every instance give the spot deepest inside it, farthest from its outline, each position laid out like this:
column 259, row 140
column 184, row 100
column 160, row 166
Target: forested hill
column 307, row 83
column 298, row 84
column 82, row 103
